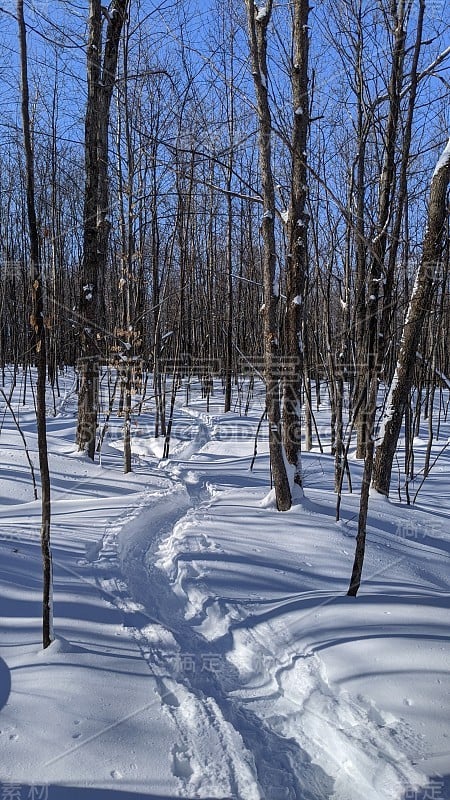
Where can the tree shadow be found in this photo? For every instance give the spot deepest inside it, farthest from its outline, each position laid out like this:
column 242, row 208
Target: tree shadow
column 60, row 792
column 5, row 683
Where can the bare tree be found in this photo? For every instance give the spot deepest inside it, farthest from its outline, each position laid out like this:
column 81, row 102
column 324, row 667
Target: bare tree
column 368, row 369
column 420, row 304
column 39, row 340
column 258, row 20
column 101, row 72
column 297, row 240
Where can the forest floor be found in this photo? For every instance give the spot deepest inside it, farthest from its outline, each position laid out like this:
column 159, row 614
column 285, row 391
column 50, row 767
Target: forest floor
column 205, row 646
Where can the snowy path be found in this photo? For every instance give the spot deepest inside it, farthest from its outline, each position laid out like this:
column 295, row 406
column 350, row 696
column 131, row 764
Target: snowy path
column 278, row 713
column 206, row 648
column 208, row 752
column 222, row 743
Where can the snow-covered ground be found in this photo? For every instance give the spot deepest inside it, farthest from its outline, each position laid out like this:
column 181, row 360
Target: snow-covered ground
column 205, row 645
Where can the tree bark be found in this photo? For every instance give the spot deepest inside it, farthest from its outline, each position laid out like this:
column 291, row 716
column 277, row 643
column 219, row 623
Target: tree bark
column 230, row 102
column 101, row 72
column 419, row 307
column 367, row 421
column 368, row 365
column 257, row 24
column 39, row 341
column 297, row 236
column 89, row 362
column 361, row 251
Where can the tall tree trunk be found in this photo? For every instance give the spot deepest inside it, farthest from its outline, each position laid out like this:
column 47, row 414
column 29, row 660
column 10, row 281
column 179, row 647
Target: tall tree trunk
column 360, row 383
column 257, row 24
column 101, row 72
column 398, row 210
column 369, row 363
column 367, row 424
column 419, row 307
column 297, row 255
column 37, row 323
column 89, row 361
column 229, row 247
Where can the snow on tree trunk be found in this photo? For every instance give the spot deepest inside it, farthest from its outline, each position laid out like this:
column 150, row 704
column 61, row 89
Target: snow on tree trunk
column 297, row 256
column 101, row 72
column 257, row 25
column 418, row 309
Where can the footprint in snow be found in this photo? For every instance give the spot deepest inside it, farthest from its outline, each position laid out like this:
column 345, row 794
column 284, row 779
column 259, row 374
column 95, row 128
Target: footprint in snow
column 116, row 774
column 169, row 698
column 181, row 764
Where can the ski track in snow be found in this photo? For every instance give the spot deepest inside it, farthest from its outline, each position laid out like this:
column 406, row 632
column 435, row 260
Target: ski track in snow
column 201, row 763
column 265, row 722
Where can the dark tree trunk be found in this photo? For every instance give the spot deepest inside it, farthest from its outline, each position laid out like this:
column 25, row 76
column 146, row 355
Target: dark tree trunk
column 297, row 256
column 367, row 421
column 257, row 23
column 101, row 74
column 89, row 361
column 39, row 341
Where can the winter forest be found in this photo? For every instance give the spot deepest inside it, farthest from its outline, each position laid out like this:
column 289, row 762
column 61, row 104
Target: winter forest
column 224, row 400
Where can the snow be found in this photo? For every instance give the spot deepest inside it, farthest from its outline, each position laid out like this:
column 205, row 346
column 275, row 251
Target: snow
column 443, row 160
column 88, row 289
column 262, row 13
column 443, row 378
column 389, row 407
column 205, row 643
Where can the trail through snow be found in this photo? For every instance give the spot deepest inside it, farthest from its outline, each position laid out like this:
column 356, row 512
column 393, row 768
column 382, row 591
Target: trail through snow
column 206, row 647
